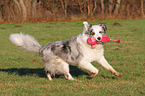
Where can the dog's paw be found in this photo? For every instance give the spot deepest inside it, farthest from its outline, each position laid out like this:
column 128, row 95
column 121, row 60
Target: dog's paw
column 92, row 75
column 119, row 74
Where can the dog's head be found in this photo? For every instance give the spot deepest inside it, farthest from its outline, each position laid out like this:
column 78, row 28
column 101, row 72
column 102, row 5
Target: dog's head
column 96, row 31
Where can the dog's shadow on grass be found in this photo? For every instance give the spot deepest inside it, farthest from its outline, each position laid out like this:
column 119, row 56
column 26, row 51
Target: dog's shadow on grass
column 74, row 71
column 25, row 71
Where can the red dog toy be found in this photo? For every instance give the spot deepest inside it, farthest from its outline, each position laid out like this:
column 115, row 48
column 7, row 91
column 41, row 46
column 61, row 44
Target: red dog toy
column 92, row 41
column 105, row 38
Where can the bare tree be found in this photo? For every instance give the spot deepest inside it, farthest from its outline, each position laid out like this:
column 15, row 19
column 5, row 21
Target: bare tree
column 28, row 6
column 16, row 10
column 142, row 11
column 33, row 9
column 21, row 7
column 87, row 7
column 64, row 4
column 82, row 5
column 102, row 6
column 1, row 16
column 117, row 6
column 91, row 7
column 18, row 6
column 110, row 6
column 24, row 10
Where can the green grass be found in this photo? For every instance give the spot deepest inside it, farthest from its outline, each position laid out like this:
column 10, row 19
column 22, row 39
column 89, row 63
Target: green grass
column 21, row 76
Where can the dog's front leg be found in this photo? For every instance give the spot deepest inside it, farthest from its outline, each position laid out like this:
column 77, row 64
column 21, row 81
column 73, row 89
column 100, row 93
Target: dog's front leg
column 106, row 65
column 88, row 67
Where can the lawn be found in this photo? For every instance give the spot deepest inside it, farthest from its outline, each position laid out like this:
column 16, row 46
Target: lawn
column 22, row 73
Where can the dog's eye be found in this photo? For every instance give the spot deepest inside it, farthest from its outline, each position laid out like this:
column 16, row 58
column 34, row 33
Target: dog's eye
column 101, row 32
column 92, row 33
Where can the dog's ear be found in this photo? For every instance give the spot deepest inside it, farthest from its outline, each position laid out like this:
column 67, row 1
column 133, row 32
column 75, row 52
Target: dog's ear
column 86, row 25
column 104, row 27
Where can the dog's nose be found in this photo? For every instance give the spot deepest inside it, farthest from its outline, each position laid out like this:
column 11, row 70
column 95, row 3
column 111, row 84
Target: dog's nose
column 99, row 38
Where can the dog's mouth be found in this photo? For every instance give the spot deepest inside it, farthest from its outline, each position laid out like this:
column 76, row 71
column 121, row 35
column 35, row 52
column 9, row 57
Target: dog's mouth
column 92, row 41
column 99, row 42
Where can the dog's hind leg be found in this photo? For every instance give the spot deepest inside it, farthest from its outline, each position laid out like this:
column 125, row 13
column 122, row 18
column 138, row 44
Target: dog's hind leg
column 66, row 71
column 63, row 67
column 106, row 65
column 48, row 76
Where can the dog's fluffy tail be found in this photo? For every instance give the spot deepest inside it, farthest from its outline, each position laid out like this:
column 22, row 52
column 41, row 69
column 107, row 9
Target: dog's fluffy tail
column 25, row 42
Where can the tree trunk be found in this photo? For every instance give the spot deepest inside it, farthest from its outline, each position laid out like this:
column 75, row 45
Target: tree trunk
column 88, row 7
column 91, row 7
column 110, row 6
column 65, row 11
column 24, row 10
column 33, row 10
column 117, row 7
column 142, row 11
column 95, row 7
column 1, row 16
column 18, row 5
column 28, row 7
column 81, row 6
column 64, row 6
column 102, row 6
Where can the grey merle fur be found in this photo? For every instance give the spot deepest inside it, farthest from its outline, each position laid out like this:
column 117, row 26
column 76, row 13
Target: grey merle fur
column 63, row 49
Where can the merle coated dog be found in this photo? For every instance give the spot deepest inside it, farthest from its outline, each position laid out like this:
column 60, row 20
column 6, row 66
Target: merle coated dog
column 58, row 55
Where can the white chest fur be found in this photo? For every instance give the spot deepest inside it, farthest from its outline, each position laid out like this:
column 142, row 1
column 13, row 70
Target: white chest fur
column 90, row 54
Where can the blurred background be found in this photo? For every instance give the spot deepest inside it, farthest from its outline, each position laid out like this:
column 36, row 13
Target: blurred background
column 67, row 10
